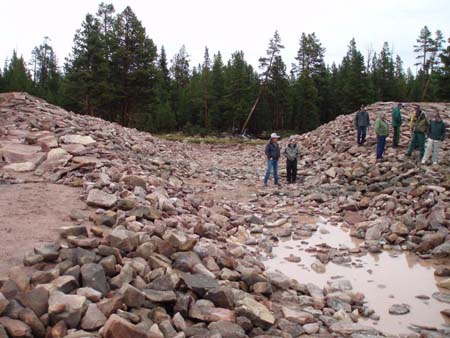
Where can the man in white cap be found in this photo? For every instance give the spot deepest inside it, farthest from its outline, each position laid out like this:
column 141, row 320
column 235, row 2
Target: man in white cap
column 273, row 155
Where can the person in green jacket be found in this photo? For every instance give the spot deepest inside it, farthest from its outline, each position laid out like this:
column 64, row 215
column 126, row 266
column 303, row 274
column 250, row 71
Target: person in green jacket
column 382, row 131
column 396, row 124
column 420, row 128
column 436, row 134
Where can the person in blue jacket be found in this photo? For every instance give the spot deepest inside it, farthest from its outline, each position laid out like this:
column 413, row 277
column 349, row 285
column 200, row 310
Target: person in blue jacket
column 273, row 155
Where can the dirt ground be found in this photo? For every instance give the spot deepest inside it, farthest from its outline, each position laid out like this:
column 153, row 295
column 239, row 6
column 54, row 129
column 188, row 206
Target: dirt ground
column 30, row 214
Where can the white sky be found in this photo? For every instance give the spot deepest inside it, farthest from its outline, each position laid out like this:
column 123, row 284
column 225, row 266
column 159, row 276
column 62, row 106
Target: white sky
column 233, row 25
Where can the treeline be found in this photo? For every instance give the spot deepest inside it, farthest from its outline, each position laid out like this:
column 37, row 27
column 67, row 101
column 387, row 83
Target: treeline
column 116, row 71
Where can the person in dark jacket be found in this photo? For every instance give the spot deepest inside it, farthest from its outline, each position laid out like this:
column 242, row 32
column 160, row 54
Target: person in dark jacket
column 436, row 134
column 420, row 128
column 291, row 153
column 362, row 122
column 396, row 124
column 273, row 155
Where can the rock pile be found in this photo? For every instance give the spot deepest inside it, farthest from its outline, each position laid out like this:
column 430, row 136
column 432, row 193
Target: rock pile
column 158, row 259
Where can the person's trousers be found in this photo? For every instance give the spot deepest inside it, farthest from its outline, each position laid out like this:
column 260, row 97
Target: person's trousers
column 396, row 138
column 291, row 170
column 271, row 164
column 361, row 135
column 381, row 144
column 417, row 139
column 432, row 147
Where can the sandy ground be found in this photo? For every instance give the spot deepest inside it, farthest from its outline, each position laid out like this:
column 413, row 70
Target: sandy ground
column 30, row 214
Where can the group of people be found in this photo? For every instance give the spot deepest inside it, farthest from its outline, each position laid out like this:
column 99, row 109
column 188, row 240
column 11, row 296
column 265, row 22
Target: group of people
column 433, row 132
column 423, row 131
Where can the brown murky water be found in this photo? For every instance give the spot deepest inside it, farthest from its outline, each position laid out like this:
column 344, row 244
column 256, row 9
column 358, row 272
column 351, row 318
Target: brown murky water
column 385, row 279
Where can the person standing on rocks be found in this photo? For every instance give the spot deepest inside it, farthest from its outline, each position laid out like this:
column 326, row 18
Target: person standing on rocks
column 396, row 124
column 273, row 155
column 418, row 138
column 436, row 134
column 291, row 153
column 382, row 131
column 362, row 122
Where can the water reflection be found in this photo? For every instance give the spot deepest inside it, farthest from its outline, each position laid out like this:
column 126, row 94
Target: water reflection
column 387, row 278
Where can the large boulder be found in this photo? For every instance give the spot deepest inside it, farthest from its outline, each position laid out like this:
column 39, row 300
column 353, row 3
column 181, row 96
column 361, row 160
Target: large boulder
column 255, row 311
column 227, row 329
column 16, row 328
column 20, row 153
column 93, row 276
column 123, row 239
column 68, row 308
column 442, row 250
column 93, row 319
column 99, row 198
column 77, row 139
column 199, row 283
column 349, row 328
column 36, row 300
column 117, row 327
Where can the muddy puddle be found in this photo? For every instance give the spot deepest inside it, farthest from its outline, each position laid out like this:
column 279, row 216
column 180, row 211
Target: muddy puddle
column 388, row 278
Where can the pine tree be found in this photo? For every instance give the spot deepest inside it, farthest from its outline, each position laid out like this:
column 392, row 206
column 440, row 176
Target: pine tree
column 217, row 92
column 87, row 85
column 353, row 80
column 46, row 76
column 240, row 92
column 265, row 64
column 384, row 79
column 306, row 112
column 180, row 73
column 134, row 70
column 206, row 67
column 16, row 77
column 443, row 75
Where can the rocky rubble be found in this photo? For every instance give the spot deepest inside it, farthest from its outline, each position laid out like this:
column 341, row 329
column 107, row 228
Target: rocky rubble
column 167, row 252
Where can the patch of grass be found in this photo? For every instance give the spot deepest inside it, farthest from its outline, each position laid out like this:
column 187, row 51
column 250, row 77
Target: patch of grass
column 209, row 139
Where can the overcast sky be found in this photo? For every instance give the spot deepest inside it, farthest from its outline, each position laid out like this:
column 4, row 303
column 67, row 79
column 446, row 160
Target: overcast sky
column 232, row 25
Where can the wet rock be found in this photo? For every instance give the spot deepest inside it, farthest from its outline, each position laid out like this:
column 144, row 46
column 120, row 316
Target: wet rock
column 441, row 297
column 444, row 283
column 399, row 309
column 348, row 328
column 99, row 198
column 442, row 271
column 442, row 250
column 430, row 242
column 93, row 276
